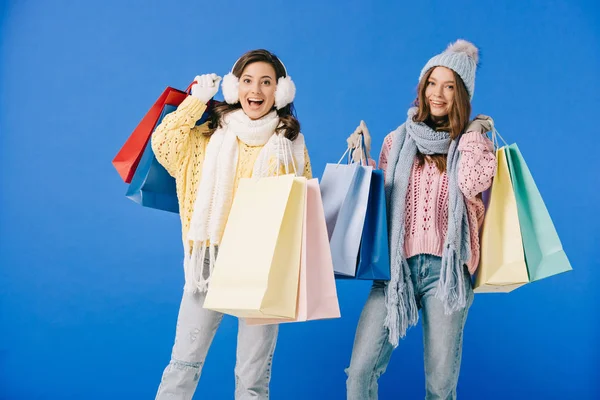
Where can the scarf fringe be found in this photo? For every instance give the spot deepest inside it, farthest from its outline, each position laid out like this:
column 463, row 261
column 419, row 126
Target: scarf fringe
column 451, row 290
column 402, row 310
column 193, row 266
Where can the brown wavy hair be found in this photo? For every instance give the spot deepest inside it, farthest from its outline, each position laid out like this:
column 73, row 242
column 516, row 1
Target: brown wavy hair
column 455, row 122
column 289, row 124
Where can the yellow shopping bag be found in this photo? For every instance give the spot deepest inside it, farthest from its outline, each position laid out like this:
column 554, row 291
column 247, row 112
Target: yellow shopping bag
column 317, row 293
column 257, row 269
column 503, row 266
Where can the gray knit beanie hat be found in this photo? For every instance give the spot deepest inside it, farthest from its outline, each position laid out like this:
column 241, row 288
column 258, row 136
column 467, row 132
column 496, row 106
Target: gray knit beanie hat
column 461, row 57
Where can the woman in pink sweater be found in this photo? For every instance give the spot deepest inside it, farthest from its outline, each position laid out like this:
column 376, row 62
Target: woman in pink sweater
column 436, row 166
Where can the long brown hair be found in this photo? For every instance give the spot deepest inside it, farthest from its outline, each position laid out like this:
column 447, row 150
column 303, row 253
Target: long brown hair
column 455, row 122
column 289, row 124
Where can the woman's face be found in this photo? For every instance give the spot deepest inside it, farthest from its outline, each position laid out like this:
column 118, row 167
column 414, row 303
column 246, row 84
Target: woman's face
column 440, row 91
column 257, row 89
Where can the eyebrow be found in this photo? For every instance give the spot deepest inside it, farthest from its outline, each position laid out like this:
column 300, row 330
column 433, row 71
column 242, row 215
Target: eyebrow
column 435, row 80
column 265, row 76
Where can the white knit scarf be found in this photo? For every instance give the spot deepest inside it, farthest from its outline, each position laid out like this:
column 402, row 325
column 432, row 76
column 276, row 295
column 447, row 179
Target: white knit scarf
column 215, row 192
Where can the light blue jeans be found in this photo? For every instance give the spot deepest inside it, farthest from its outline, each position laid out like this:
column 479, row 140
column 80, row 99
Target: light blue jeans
column 442, row 336
column 196, row 328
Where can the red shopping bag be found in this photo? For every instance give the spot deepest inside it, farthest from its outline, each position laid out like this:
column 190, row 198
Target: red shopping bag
column 128, row 158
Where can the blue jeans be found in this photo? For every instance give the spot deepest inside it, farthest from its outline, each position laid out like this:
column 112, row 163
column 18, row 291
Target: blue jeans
column 196, row 328
column 442, row 336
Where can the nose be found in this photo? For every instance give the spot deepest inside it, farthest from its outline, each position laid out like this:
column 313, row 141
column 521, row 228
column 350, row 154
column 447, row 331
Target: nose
column 256, row 88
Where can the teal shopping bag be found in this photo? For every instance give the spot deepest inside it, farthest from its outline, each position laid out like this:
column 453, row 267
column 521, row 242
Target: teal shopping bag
column 544, row 253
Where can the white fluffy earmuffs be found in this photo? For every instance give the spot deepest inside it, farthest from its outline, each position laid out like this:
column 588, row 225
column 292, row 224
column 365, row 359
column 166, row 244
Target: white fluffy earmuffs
column 284, row 94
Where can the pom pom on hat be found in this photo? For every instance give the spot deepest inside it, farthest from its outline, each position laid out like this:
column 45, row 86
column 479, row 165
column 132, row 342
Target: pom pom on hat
column 463, row 46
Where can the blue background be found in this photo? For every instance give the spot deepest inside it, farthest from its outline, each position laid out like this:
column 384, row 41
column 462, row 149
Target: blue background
column 90, row 282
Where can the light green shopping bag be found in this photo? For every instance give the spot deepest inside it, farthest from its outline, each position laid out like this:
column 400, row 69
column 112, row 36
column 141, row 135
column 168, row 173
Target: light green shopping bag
column 544, row 253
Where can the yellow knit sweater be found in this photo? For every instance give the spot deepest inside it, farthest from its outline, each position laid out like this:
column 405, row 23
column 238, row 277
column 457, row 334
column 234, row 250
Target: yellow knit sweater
column 180, row 147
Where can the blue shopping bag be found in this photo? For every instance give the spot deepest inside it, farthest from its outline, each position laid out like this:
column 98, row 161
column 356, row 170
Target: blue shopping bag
column 374, row 257
column 151, row 185
column 335, row 185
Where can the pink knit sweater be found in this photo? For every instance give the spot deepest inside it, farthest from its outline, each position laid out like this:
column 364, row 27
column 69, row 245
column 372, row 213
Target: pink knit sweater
column 427, row 196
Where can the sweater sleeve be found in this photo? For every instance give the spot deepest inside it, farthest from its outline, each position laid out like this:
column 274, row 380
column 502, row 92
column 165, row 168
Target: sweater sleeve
column 385, row 151
column 171, row 139
column 477, row 165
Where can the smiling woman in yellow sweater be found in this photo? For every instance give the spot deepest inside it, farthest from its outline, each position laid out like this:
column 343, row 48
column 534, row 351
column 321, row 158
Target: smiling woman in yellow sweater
column 242, row 138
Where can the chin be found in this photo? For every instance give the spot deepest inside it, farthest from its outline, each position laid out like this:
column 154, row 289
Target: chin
column 250, row 113
column 255, row 115
column 439, row 114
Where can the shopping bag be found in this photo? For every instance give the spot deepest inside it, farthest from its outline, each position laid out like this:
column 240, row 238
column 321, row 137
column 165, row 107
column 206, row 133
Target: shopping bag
column 335, row 185
column 346, row 238
column 374, row 259
column 502, row 267
column 128, row 158
column 345, row 190
column 257, row 269
column 317, row 294
column 544, row 253
column 151, row 185
column 374, row 255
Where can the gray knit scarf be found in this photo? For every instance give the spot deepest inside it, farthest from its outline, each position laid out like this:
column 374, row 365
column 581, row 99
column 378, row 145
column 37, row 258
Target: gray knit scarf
column 401, row 305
